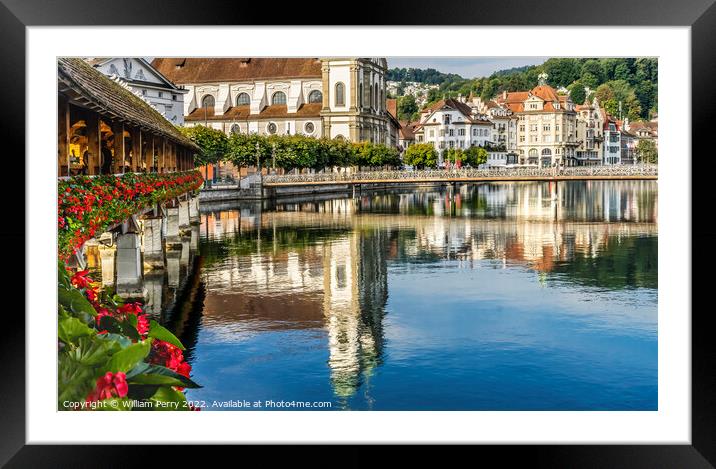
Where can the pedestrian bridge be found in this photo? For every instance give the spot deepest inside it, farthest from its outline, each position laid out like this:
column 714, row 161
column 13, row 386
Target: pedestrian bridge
column 617, row 172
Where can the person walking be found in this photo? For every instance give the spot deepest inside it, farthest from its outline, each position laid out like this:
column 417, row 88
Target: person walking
column 106, row 158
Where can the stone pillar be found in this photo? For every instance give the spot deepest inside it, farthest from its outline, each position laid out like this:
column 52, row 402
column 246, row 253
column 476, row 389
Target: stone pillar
column 107, row 255
column 183, row 216
column 152, row 243
column 194, row 243
column 194, row 218
column 184, row 259
column 154, row 283
column 172, row 225
column 173, row 270
column 129, row 265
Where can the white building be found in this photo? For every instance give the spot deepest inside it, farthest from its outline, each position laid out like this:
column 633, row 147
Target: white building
column 450, row 123
column 612, row 142
column 146, row 81
column 321, row 97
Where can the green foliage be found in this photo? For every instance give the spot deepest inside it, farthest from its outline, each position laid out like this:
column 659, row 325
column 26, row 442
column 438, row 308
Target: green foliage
column 214, row 144
column 475, row 156
column 407, row 107
column 429, row 76
column 640, row 76
column 91, row 360
column 577, row 93
column 157, row 331
column 647, row 152
column 421, row 155
column 299, row 151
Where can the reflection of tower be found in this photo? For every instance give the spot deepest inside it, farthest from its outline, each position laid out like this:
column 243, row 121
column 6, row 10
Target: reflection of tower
column 355, row 292
column 341, row 309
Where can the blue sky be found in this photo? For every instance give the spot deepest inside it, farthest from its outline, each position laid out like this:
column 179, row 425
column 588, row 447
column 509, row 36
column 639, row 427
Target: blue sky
column 467, row 67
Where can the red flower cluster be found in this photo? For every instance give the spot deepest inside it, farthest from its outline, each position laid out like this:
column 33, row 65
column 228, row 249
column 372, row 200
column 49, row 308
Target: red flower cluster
column 108, row 386
column 162, row 353
column 87, row 206
column 122, row 312
column 165, row 354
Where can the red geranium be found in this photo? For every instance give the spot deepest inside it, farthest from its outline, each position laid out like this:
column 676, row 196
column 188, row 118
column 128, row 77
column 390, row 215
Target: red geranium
column 108, row 386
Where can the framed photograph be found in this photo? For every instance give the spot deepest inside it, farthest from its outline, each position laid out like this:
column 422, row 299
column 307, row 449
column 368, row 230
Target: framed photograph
column 440, row 230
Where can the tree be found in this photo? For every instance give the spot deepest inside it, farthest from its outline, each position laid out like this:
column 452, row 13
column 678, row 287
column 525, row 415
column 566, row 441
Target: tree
column 213, row 144
column 421, row 155
column 475, row 156
column 647, row 152
column 407, row 107
column 577, row 93
column 562, row 72
column 593, row 69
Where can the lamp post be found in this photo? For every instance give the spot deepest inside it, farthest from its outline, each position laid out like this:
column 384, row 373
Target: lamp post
column 258, row 163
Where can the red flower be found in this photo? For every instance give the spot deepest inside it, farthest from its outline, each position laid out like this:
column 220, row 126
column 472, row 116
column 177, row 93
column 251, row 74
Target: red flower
column 80, row 279
column 108, row 386
column 131, row 308
column 142, row 324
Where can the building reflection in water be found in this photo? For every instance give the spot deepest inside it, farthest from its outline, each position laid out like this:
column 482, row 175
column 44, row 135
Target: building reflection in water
column 323, row 265
column 161, row 288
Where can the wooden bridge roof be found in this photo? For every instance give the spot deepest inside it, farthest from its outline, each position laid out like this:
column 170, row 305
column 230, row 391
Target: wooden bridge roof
column 100, row 93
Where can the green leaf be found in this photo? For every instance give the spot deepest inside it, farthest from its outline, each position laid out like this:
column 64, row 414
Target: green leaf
column 70, row 329
column 75, row 302
column 92, row 351
column 127, row 358
column 158, row 331
column 63, row 278
column 124, row 327
column 167, row 398
column 146, row 373
column 74, row 381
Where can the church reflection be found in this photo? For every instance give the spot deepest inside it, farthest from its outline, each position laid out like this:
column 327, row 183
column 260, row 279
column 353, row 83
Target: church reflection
column 324, row 265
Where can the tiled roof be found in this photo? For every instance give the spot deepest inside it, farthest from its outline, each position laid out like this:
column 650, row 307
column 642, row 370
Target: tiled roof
column 207, row 70
column 545, row 93
column 391, row 106
column 114, row 99
column 276, row 111
column 407, row 130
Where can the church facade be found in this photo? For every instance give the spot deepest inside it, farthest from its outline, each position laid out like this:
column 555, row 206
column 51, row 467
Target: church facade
column 342, row 98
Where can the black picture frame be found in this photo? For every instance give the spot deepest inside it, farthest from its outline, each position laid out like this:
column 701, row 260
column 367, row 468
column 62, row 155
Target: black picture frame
column 700, row 15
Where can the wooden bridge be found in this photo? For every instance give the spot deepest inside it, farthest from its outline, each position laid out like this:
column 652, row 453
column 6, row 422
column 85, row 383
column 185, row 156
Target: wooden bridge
column 617, row 172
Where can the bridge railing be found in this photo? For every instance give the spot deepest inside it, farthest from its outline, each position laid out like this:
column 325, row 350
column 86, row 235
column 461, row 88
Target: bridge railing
column 649, row 170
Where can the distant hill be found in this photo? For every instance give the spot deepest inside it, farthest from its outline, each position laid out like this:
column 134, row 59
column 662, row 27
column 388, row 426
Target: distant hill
column 509, row 71
column 429, row 76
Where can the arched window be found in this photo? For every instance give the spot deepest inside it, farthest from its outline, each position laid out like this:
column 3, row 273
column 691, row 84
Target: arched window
column 376, row 96
column 533, row 153
column 278, row 97
column 243, row 99
column 340, row 94
column 207, row 101
column 546, row 152
column 339, row 137
column 315, row 96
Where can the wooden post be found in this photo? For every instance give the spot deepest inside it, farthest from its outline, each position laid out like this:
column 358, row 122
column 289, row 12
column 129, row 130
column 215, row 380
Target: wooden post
column 162, row 156
column 118, row 157
column 93, row 142
column 63, row 137
column 137, row 149
column 150, row 165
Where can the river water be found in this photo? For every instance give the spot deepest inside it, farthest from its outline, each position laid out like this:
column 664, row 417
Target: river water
column 500, row 296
